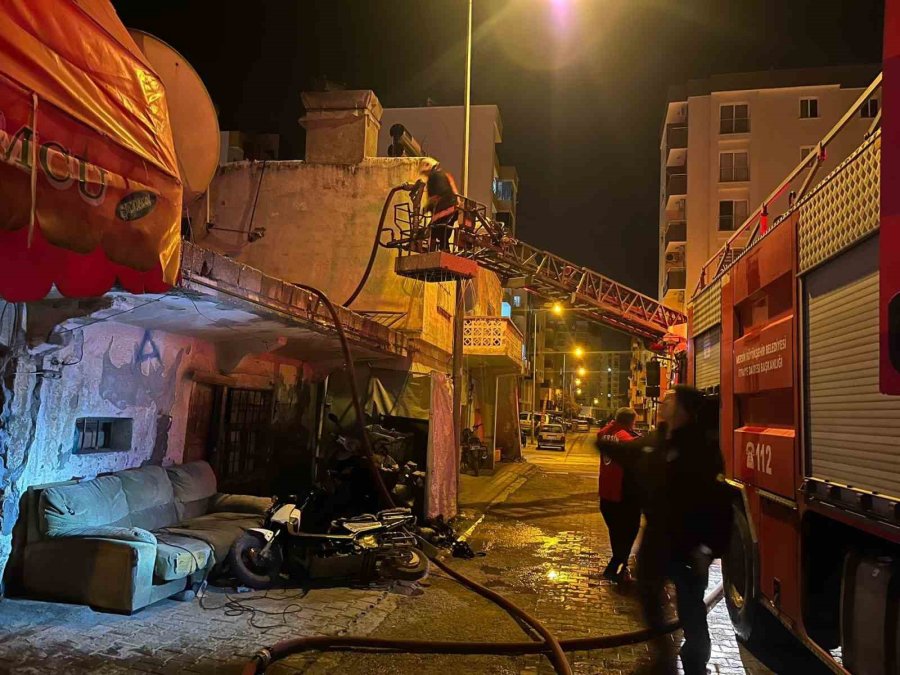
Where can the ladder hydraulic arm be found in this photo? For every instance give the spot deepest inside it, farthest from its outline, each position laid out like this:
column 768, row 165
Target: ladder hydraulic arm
column 484, row 240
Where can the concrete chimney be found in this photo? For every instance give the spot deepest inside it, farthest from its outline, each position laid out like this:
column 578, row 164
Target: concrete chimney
column 341, row 126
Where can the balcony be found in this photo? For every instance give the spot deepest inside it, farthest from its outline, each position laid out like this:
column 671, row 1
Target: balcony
column 676, row 148
column 674, row 289
column 676, row 186
column 493, row 342
column 676, row 137
column 676, row 235
column 676, row 196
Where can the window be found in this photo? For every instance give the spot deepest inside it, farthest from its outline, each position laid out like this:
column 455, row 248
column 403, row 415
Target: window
column 869, row 108
column 734, row 118
column 732, row 214
column 734, row 166
column 102, row 434
column 503, row 189
column 244, row 446
column 806, row 152
column 517, row 301
column 809, row 108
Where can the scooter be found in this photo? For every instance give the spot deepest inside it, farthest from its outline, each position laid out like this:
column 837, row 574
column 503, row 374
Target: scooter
column 474, row 452
column 364, row 547
column 325, row 536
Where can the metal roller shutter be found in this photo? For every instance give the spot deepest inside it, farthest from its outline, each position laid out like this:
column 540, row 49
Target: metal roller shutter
column 707, row 363
column 854, row 431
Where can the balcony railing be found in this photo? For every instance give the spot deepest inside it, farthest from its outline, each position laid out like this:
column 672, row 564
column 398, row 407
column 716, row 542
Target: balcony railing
column 676, row 137
column 676, row 233
column 677, row 184
column 494, row 337
column 675, row 280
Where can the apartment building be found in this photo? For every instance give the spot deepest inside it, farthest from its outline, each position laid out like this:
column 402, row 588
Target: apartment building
column 728, row 141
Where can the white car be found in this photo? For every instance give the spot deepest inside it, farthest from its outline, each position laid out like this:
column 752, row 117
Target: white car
column 551, row 436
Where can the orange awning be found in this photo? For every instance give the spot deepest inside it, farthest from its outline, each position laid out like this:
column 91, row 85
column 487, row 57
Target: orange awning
column 89, row 186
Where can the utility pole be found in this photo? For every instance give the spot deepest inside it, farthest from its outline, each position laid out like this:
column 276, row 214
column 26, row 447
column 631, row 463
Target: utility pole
column 534, row 396
column 458, row 318
column 459, row 314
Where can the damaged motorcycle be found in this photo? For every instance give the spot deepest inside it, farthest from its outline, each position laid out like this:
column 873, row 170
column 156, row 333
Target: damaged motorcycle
column 331, row 534
column 363, row 547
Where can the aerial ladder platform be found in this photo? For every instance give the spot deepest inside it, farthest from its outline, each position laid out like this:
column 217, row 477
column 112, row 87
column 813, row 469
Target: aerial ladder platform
column 478, row 240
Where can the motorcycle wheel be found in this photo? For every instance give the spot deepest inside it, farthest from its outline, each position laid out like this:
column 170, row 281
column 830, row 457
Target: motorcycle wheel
column 409, row 565
column 250, row 570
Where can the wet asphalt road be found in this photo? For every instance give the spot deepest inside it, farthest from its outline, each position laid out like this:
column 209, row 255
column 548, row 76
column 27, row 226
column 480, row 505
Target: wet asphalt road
column 544, row 546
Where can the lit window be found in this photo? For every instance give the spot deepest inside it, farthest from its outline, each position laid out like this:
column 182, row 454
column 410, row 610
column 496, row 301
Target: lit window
column 102, row 434
column 869, row 108
column 734, row 119
column 734, row 166
column 503, row 189
column 732, row 214
column 517, row 301
column 809, row 108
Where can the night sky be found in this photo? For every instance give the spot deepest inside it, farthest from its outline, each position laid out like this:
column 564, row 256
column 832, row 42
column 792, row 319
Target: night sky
column 581, row 84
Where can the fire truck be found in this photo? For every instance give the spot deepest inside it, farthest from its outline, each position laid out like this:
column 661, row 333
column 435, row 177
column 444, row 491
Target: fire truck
column 795, row 325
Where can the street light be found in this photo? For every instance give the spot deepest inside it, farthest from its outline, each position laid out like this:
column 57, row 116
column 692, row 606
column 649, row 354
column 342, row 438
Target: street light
column 596, row 401
column 609, row 369
column 557, row 309
column 577, row 381
column 579, row 352
column 578, row 391
column 582, row 371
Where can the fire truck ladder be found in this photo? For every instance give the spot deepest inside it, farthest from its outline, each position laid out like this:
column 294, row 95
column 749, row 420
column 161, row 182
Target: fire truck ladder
column 478, row 238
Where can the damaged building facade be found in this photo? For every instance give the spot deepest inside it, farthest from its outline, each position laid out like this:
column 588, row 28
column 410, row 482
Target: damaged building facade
column 320, row 218
column 239, row 366
column 228, row 367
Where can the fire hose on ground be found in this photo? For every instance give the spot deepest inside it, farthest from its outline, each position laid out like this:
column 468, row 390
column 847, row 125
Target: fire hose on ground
column 548, row 644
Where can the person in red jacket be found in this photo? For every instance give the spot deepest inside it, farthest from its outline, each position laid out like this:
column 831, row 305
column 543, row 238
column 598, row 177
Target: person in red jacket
column 619, row 498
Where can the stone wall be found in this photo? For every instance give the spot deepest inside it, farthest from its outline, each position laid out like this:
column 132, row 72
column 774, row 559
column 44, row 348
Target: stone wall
column 320, row 222
column 111, row 370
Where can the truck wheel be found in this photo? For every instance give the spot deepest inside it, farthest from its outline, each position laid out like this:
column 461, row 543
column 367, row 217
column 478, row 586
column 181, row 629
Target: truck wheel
column 741, row 577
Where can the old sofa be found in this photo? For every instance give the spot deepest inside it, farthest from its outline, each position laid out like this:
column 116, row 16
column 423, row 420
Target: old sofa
column 123, row 541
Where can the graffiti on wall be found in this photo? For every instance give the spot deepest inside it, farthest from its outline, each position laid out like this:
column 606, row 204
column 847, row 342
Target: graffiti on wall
column 143, row 381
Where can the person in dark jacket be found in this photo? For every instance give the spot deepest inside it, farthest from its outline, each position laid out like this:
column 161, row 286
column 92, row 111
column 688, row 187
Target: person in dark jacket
column 442, row 202
column 688, row 513
column 618, row 492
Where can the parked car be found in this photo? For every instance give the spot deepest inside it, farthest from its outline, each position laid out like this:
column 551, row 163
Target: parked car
column 525, row 421
column 582, row 424
column 551, row 436
column 530, row 420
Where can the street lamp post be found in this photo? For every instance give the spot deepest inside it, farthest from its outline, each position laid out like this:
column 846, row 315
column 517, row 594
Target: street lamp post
column 467, row 105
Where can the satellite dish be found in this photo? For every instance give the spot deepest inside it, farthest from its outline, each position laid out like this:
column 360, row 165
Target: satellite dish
column 195, row 127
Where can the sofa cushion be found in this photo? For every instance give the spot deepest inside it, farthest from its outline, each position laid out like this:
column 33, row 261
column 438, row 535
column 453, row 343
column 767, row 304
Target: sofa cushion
column 68, row 509
column 150, row 497
column 178, row 556
column 219, row 530
column 193, row 483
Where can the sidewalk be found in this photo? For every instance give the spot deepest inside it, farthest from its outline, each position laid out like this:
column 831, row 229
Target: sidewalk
column 476, row 495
